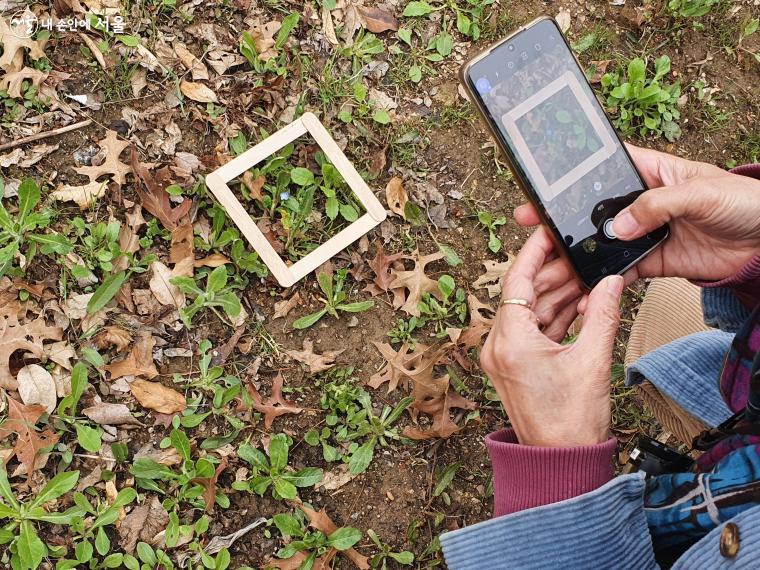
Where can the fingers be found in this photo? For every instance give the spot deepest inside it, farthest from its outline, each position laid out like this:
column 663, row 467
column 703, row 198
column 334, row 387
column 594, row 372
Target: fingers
column 526, row 215
column 550, row 304
column 600, row 323
column 557, row 329
column 554, row 274
column 662, row 169
column 651, row 210
column 518, row 283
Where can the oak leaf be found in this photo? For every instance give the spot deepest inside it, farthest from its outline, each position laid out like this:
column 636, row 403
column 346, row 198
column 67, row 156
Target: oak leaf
column 113, row 336
column 111, row 165
column 15, row 336
column 417, row 282
column 155, row 198
column 21, row 420
column 382, row 265
column 84, row 196
column 492, row 278
column 139, row 362
column 275, row 406
column 437, row 400
column 182, row 243
column 315, row 362
column 393, row 371
column 479, row 325
column 15, row 40
column 156, row 396
column 12, row 82
column 377, row 20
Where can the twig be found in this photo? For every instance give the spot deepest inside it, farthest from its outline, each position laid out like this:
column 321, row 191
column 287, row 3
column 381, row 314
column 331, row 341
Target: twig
column 45, row 135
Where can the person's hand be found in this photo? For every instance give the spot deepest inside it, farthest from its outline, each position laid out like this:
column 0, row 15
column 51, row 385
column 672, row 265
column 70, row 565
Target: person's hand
column 555, row 395
column 714, row 219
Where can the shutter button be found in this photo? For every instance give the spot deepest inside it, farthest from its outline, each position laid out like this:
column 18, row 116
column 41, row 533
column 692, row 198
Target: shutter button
column 730, row 540
column 607, row 228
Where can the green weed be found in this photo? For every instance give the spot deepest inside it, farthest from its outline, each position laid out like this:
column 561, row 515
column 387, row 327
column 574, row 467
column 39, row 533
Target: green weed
column 334, row 300
column 313, row 542
column 216, row 295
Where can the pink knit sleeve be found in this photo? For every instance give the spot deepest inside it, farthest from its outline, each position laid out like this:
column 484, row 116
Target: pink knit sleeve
column 525, row 476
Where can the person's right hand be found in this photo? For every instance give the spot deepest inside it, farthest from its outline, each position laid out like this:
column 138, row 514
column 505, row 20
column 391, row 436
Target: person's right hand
column 714, row 219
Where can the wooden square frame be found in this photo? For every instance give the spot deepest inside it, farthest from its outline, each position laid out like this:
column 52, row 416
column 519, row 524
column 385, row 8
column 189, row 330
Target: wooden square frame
column 286, row 275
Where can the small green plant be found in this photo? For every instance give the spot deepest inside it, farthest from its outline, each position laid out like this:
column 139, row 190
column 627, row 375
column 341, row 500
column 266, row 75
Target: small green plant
column 690, row 8
column 448, row 312
column 19, row 532
column 274, row 471
column 183, row 484
column 380, row 560
column 275, row 64
column 217, row 295
column 491, row 224
column 643, row 104
column 19, row 234
column 443, row 481
column 469, row 14
column 96, row 244
column 419, row 56
column 90, row 529
column 361, row 51
column 314, row 542
column 334, row 300
column 359, row 109
column 402, row 332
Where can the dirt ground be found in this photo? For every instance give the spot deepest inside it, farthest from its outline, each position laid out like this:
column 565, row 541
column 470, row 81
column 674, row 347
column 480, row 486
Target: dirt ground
column 448, row 148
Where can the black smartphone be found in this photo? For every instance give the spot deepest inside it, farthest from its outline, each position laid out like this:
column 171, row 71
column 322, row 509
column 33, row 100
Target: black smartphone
column 560, row 145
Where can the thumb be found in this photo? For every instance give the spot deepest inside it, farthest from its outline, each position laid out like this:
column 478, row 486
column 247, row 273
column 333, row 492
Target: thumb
column 602, row 316
column 651, row 210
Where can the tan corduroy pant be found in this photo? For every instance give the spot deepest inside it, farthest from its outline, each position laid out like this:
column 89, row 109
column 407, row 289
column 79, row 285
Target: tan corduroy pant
column 671, row 309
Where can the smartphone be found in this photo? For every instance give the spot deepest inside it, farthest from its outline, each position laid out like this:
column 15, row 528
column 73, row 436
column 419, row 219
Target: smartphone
column 560, row 145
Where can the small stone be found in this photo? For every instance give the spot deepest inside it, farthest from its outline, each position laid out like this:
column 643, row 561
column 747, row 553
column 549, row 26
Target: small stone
column 354, row 322
column 427, row 101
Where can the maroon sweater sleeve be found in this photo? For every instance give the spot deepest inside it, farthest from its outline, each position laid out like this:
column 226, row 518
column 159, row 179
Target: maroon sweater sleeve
column 525, row 476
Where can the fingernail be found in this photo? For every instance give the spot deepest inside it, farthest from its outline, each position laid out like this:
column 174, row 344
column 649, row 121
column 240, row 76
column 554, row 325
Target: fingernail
column 625, row 224
column 615, row 284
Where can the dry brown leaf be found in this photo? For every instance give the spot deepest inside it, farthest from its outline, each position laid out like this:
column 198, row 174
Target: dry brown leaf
column 182, row 243
column 60, row 352
column 111, row 165
column 381, row 265
column 36, row 386
column 155, row 198
column 15, row 40
column 479, row 325
column 396, row 196
column 143, row 523
column 191, row 63
column 394, row 370
column 20, row 422
column 213, row 260
column 417, row 282
column 254, row 185
column 139, row 362
column 438, row 405
column 129, row 238
column 377, row 20
column 209, row 485
column 12, row 82
column 328, row 28
column 198, row 92
column 275, row 406
column 162, row 288
column 84, row 196
column 263, row 39
column 105, row 413
column 492, row 278
column 335, row 479
column 113, row 336
column 156, row 396
column 321, row 521
column 282, row 308
column 16, row 336
column 315, row 362
column 600, row 68
column 168, row 456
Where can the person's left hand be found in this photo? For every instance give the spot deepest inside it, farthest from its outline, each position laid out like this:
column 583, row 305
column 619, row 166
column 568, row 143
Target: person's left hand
column 555, row 395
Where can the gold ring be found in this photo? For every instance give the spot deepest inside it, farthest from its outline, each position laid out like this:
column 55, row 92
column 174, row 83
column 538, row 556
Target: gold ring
column 520, row 302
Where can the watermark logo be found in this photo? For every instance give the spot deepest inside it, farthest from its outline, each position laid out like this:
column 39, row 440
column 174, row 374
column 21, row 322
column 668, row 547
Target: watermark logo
column 24, row 24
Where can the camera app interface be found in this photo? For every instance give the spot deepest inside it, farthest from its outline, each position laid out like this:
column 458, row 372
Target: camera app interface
column 563, row 145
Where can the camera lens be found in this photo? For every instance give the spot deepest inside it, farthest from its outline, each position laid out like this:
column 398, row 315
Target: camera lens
column 511, row 47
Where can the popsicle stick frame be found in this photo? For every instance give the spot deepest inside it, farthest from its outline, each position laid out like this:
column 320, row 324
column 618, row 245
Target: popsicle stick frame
column 288, row 275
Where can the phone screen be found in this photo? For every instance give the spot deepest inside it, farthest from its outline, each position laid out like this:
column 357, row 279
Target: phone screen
column 562, row 146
